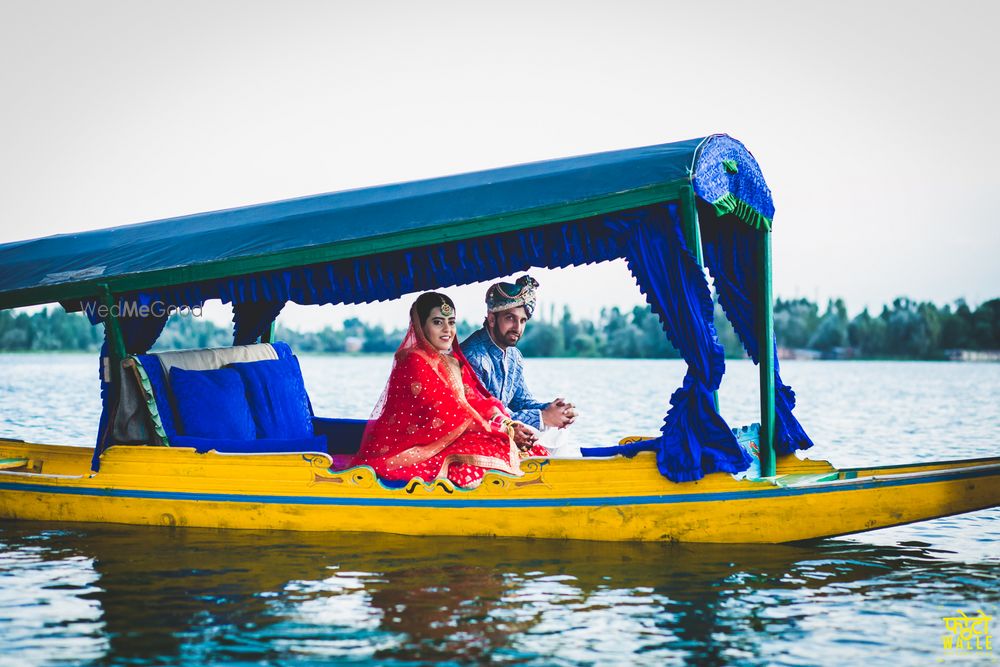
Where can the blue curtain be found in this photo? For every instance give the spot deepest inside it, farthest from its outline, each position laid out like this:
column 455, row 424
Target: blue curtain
column 139, row 334
column 731, row 249
column 251, row 319
column 695, row 440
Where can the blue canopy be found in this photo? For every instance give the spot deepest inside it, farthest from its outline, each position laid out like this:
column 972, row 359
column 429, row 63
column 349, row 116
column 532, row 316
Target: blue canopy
column 383, row 242
column 197, row 249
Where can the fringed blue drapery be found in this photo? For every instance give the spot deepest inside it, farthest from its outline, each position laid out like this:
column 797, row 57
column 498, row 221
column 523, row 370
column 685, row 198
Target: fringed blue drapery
column 252, row 319
column 139, row 332
column 695, row 439
column 730, row 254
column 392, row 274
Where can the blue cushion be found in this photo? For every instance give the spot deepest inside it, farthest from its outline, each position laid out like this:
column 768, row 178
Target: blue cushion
column 277, row 397
column 262, row 446
column 212, row 404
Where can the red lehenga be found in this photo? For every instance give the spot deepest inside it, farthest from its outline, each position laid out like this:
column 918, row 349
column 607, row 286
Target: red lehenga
column 435, row 422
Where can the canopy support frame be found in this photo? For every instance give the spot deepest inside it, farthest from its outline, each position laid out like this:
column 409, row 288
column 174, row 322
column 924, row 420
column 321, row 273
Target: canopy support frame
column 768, row 467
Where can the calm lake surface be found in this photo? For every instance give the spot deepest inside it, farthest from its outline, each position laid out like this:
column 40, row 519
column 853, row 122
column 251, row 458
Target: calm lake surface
column 105, row 594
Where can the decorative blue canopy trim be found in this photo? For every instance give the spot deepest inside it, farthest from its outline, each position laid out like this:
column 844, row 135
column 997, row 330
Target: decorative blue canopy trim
column 727, row 176
column 391, row 275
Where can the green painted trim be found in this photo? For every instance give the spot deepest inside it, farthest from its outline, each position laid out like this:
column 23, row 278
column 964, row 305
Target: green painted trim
column 689, row 223
column 730, row 203
column 147, row 391
column 766, row 366
column 731, row 166
column 404, row 240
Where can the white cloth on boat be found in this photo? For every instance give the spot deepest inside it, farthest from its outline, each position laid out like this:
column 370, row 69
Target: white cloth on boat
column 212, row 358
column 559, row 441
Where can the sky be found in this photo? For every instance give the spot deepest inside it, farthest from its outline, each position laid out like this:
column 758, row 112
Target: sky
column 873, row 122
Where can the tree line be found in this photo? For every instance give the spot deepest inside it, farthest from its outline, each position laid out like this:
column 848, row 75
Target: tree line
column 906, row 329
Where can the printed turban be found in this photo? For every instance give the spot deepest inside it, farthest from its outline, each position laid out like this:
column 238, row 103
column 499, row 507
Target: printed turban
column 503, row 296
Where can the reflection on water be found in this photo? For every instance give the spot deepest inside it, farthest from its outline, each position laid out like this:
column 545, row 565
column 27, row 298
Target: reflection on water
column 75, row 594
column 139, row 595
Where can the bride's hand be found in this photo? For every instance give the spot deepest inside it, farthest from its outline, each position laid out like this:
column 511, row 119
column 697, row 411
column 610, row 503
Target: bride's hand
column 524, row 437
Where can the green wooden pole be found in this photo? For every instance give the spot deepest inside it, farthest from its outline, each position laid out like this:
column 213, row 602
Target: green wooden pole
column 689, row 221
column 692, row 236
column 112, row 326
column 268, row 336
column 766, row 366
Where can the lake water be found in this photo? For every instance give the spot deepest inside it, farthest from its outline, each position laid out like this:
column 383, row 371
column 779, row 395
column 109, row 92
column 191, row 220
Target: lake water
column 117, row 595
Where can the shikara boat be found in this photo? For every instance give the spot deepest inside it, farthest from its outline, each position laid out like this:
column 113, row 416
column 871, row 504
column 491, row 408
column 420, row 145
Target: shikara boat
column 670, row 211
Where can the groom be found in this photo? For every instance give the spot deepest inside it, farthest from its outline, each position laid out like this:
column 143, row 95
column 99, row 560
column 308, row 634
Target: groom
column 492, row 352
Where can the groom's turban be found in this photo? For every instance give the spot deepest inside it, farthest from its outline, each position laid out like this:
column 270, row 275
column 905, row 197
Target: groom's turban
column 504, row 296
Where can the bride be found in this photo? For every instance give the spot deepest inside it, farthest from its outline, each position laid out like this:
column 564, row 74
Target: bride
column 435, row 419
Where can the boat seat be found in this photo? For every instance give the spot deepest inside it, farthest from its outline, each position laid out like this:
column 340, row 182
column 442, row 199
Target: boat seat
column 149, row 412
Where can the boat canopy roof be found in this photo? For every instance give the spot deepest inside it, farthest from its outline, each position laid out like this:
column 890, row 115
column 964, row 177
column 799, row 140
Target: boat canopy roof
column 194, row 250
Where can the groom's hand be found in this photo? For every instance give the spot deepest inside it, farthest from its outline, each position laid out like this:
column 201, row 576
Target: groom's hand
column 559, row 414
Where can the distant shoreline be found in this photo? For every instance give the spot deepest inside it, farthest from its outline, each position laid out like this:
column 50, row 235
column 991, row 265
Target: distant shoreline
column 905, row 330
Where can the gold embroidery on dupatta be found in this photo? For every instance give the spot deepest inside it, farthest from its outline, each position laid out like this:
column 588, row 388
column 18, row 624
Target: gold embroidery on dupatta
column 452, row 377
column 421, row 453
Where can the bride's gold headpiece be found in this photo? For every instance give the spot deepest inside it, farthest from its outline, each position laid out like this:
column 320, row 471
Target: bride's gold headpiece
column 446, row 309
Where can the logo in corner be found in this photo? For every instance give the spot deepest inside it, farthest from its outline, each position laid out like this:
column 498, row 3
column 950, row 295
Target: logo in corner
column 967, row 633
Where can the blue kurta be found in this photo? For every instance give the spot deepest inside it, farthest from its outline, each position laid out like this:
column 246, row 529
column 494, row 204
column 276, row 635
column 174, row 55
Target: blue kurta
column 502, row 372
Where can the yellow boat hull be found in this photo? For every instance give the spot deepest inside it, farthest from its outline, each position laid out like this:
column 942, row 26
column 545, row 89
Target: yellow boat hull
column 612, row 499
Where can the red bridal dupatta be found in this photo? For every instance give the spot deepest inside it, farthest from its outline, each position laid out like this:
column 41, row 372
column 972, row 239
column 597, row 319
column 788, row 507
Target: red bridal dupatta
column 435, row 421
